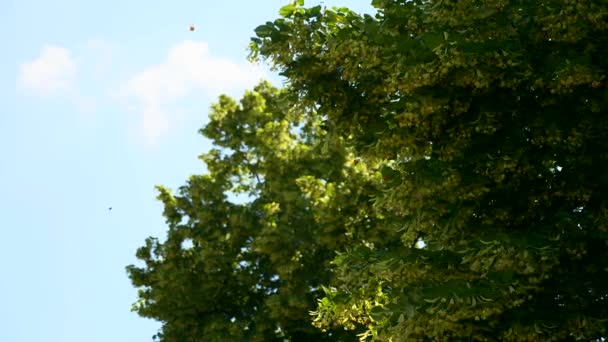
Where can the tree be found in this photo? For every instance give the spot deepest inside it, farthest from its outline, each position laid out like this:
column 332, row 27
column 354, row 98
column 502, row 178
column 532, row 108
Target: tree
column 434, row 172
column 487, row 120
column 252, row 270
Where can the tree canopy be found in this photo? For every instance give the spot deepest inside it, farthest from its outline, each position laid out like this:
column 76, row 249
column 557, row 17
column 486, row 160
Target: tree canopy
column 433, row 172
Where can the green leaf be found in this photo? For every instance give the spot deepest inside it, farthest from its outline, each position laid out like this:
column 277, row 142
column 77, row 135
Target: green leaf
column 433, row 40
column 487, row 12
column 287, row 10
column 315, row 11
column 378, row 312
column 264, row 31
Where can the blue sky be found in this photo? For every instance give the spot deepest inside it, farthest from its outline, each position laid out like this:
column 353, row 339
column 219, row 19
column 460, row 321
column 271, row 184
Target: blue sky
column 100, row 101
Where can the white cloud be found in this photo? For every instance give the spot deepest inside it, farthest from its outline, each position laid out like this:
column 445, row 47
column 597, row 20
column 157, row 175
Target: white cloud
column 52, row 72
column 189, row 66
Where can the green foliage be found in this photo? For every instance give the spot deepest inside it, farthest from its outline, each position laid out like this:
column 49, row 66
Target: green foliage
column 251, row 271
column 433, row 172
column 489, row 120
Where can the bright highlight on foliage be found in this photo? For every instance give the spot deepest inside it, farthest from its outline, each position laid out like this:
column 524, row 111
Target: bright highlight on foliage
column 436, row 172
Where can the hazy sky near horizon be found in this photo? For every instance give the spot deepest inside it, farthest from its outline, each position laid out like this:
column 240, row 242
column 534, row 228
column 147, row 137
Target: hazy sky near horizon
column 100, row 102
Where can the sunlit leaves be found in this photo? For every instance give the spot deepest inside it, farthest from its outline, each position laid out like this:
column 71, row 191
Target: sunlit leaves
column 250, row 269
column 476, row 121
